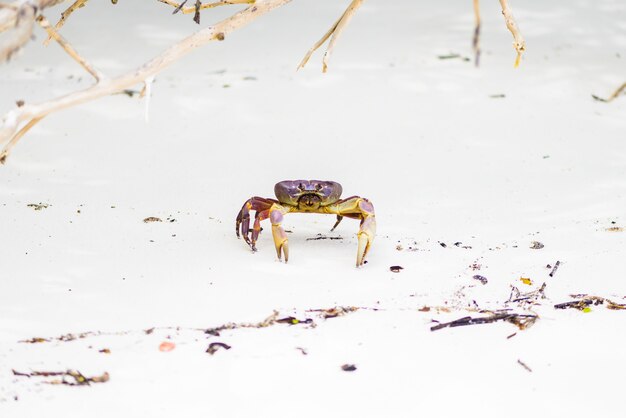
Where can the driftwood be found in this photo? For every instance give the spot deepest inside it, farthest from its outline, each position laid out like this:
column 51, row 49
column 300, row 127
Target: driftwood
column 19, row 17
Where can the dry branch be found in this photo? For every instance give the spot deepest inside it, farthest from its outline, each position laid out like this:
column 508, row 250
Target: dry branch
column 43, row 22
column 25, row 115
column 613, row 96
column 334, row 31
column 76, row 5
column 518, row 41
column 18, row 18
column 476, row 38
column 179, row 7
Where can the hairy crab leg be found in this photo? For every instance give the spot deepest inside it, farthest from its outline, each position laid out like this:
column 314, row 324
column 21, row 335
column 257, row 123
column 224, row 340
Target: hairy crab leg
column 258, row 204
column 359, row 208
column 280, row 237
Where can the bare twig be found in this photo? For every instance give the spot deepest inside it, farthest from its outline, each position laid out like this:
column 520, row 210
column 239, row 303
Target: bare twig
column 19, row 16
column 196, row 15
column 476, row 39
column 613, row 96
column 9, row 146
column 43, row 22
column 333, row 33
column 524, row 365
column 66, row 14
column 16, row 122
column 518, row 41
column 179, row 7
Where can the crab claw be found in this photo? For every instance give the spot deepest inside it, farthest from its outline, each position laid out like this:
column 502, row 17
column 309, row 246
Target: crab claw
column 242, row 223
column 280, row 237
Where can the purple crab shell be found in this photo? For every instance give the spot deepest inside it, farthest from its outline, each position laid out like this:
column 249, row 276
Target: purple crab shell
column 290, row 191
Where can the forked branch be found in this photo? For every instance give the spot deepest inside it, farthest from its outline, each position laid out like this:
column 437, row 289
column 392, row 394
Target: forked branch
column 18, row 18
column 333, row 33
column 43, row 22
column 65, row 15
column 18, row 121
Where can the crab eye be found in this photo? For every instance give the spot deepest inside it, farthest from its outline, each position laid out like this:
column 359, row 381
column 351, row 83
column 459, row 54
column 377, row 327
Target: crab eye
column 301, row 187
column 318, row 187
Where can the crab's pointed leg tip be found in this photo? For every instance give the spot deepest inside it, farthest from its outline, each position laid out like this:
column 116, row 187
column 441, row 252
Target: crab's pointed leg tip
column 286, row 251
column 360, row 255
column 279, row 253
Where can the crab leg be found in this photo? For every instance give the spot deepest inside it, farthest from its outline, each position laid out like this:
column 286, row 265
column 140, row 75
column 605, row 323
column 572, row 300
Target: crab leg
column 358, row 208
column 280, row 237
column 259, row 204
column 256, row 228
column 340, row 217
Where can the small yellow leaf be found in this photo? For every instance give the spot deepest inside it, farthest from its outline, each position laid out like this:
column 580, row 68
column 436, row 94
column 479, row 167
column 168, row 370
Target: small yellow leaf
column 587, row 309
column 526, row 280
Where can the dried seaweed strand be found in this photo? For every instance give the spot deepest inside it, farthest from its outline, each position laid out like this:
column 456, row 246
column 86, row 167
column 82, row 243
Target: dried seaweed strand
column 522, row 321
column 587, row 301
column 78, row 378
column 336, row 311
column 269, row 321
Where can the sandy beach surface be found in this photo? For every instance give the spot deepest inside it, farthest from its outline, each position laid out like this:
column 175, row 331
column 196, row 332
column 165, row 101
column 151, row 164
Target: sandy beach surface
column 483, row 179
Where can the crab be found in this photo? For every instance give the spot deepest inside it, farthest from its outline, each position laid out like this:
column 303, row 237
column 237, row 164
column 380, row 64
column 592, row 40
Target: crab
column 306, row 196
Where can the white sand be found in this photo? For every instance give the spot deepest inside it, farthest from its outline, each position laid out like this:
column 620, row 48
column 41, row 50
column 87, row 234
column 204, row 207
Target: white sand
column 421, row 137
